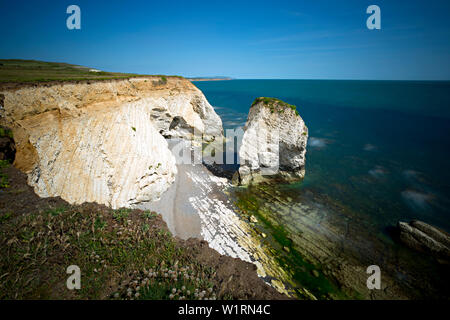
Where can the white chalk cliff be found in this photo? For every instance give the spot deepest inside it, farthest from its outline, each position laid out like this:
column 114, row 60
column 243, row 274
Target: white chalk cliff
column 274, row 143
column 103, row 141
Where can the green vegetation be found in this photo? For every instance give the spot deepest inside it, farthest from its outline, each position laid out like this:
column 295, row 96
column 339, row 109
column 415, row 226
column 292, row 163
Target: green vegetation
column 16, row 70
column 121, row 214
column 4, row 181
column 5, row 217
column 304, row 275
column 114, row 249
column 13, row 70
column 56, row 211
column 122, row 254
column 162, row 81
column 173, row 282
column 149, row 214
column 133, row 128
column 275, row 104
column 5, row 132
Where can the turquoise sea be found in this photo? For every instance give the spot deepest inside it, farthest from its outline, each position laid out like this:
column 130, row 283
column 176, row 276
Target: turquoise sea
column 381, row 148
column 378, row 152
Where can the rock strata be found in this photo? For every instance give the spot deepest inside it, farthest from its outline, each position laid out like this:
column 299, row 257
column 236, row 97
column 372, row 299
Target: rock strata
column 103, row 141
column 274, row 143
column 423, row 237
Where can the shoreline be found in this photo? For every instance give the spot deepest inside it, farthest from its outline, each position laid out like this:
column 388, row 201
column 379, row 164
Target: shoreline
column 319, row 232
column 115, row 249
column 198, row 205
column 245, row 223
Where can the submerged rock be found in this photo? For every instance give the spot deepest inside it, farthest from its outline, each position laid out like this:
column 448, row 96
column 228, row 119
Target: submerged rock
column 274, row 143
column 423, row 237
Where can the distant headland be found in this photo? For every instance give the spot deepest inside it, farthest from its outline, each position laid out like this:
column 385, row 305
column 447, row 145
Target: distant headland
column 209, row 78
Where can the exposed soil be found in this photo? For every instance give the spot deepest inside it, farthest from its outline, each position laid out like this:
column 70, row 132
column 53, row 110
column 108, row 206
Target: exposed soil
column 40, row 237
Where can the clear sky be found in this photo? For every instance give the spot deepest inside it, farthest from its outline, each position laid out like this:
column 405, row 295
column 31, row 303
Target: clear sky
column 314, row 39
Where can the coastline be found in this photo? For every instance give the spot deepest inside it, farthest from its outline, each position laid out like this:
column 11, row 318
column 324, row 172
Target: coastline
column 115, row 249
column 301, row 242
column 203, row 206
column 199, row 205
column 209, row 79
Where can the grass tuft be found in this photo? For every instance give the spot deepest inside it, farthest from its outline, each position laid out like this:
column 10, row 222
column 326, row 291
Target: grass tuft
column 275, row 104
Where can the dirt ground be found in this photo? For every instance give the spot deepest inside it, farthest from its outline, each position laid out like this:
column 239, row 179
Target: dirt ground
column 123, row 254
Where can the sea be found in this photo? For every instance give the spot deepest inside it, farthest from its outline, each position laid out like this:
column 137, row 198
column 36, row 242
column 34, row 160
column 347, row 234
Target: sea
column 380, row 147
column 378, row 153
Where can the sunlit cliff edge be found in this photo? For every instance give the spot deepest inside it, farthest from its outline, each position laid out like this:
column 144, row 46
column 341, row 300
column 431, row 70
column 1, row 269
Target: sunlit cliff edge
column 103, row 141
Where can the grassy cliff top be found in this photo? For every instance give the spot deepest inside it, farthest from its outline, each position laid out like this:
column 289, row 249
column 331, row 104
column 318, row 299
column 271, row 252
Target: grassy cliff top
column 17, row 71
column 275, row 104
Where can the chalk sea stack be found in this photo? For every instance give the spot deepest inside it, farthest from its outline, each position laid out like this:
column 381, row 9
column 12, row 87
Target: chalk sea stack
column 273, row 145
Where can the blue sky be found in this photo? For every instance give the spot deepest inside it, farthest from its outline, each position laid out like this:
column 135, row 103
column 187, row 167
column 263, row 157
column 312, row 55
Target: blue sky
column 313, row 39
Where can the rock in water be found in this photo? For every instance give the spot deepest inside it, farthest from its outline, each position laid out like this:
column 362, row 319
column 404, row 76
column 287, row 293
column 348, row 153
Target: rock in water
column 423, row 237
column 274, row 143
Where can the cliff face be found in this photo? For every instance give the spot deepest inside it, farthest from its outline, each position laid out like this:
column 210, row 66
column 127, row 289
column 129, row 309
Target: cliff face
column 274, row 143
column 104, row 141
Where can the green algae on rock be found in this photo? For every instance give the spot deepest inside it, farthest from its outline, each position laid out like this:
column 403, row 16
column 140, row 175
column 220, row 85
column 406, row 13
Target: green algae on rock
column 302, row 278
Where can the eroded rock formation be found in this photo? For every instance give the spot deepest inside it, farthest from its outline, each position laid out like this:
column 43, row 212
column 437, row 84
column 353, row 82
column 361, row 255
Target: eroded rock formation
column 274, row 143
column 423, row 237
column 103, row 141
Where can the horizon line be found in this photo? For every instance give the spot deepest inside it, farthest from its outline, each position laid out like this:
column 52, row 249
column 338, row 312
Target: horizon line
column 318, row 79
